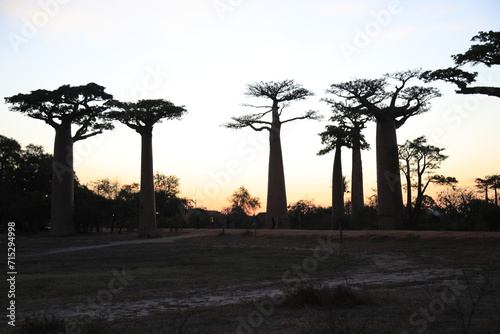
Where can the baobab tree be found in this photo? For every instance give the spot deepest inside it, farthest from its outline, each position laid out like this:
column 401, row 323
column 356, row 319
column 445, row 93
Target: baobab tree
column 67, row 106
column 354, row 120
column 485, row 52
column 334, row 138
column 391, row 102
column 280, row 94
column 141, row 116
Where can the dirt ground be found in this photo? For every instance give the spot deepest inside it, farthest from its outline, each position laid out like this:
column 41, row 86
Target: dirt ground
column 417, row 281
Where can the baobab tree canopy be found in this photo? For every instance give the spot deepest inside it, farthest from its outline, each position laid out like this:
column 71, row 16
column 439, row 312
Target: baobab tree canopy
column 78, row 105
column 389, row 96
column 485, row 52
column 279, row 93
column 143, row 114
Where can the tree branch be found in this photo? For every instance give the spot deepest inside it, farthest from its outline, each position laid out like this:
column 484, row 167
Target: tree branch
column 491, row 91
column 311, row 114
column 261, row 128
column 254, row 106
column 85, row 136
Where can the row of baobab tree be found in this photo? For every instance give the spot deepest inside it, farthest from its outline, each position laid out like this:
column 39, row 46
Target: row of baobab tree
column 390, row 101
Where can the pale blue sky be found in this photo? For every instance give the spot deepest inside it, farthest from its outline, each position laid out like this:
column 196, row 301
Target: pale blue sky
column 202, row 53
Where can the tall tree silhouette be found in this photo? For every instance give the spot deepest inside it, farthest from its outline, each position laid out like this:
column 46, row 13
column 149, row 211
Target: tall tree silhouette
column 354, row 120
column 280, row 94
column 391, row 101
column 142, row 116
column 334, row 138
column 484, row 186
column 81, row 106
column 494, row 184
column 486, row 52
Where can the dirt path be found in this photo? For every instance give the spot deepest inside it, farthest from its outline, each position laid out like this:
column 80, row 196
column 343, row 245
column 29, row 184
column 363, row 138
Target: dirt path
column 189, row 234
column 198, row 233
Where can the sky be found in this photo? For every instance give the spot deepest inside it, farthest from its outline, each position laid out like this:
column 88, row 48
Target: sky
column 203, row 53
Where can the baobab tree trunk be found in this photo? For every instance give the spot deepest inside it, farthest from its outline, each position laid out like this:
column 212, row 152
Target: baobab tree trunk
column 337, row 190
column 62, row 202
column 276, row 190
column 390, row 197
column 357, row 194
column 408, row 192
column 147, row 210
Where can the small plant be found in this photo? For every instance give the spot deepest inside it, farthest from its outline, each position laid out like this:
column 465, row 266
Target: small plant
column 475, row 293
